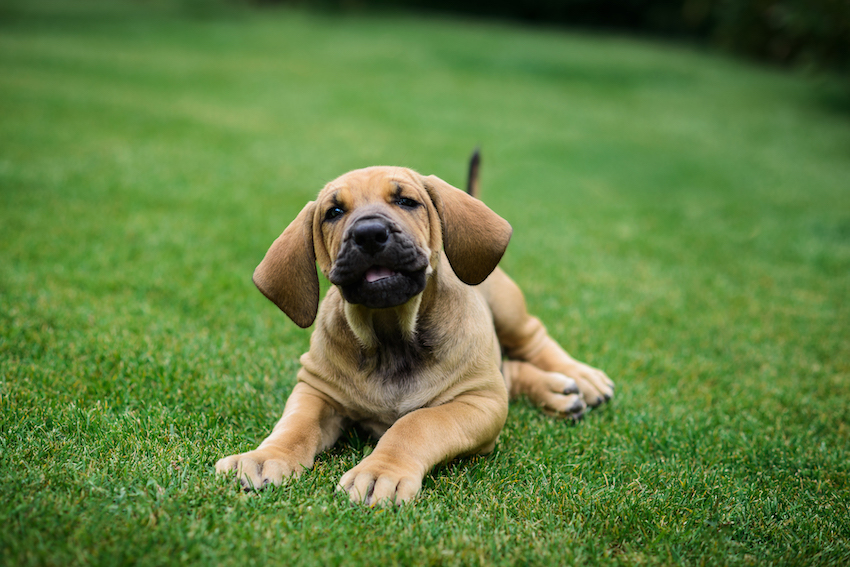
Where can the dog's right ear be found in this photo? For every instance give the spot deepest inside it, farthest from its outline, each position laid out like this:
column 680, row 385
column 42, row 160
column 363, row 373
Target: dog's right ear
column 474, row 237
column 287, row 274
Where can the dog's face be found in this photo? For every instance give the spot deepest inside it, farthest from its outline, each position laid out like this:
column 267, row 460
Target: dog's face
column 377, row 229
column 377, row 233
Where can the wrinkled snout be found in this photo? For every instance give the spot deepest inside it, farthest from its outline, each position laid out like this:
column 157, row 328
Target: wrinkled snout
column 379, row 264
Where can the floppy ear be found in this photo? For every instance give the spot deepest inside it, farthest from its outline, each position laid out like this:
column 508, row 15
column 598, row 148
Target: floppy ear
column 474, row 237
column 287, row 275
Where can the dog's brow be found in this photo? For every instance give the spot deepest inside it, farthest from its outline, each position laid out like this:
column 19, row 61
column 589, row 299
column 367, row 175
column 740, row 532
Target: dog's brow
column 399, row 181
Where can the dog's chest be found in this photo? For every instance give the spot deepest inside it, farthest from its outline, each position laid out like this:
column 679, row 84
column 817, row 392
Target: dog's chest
column 396, row 361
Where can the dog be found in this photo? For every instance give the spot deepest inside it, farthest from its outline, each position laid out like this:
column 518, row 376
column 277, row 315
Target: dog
column 421, row 340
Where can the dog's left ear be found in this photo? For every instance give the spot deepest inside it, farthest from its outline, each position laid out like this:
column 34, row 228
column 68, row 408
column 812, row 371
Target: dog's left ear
column 474, row 237
column 287, row 274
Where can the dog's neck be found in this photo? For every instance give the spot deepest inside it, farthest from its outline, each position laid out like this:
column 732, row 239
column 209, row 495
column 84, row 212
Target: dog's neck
column 403, row 318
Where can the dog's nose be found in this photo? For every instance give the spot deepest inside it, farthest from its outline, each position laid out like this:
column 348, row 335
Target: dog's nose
column 370, row 235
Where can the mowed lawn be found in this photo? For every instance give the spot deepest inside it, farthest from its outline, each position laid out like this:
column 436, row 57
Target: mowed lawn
column 681, row 220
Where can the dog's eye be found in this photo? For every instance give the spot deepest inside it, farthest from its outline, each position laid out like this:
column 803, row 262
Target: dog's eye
column 407, row 203
column 334, row 212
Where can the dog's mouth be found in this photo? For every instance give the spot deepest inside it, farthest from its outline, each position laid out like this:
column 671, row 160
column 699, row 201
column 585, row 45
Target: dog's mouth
column 380, row 287
column 378, row 273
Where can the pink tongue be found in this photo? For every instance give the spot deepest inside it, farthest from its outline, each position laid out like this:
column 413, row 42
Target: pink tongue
column 376, row 273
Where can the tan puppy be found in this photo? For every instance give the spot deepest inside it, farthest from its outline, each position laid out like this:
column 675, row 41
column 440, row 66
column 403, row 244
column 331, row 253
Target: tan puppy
column 410, row 339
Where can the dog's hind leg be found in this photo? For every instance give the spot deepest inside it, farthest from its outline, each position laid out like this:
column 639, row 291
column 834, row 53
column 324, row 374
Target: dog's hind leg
column 524, row 338
column 553, row 392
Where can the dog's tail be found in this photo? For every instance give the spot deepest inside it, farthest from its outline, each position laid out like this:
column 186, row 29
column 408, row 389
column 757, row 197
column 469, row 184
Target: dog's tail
column 472, row 186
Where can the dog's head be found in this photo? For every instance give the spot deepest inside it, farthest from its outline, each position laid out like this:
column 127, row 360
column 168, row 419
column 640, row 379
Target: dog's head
column 377, row 233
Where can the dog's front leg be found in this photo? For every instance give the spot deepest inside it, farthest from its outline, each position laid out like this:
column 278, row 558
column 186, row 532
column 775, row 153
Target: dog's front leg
column 309, row 425
column 393, row 472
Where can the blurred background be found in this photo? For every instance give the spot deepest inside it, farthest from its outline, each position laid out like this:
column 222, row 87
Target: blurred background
column 812, row 33
column 676, row 174
column 809, row 33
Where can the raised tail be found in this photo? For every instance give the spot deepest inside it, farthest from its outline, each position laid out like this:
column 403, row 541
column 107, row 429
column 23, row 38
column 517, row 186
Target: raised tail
column 472, row 186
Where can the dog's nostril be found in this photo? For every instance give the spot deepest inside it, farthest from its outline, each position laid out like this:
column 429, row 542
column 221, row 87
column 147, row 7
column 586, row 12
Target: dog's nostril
column 371, row 235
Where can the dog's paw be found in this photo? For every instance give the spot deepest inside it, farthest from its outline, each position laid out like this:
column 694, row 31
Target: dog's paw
column 559, row 396
column 375, row 482
column 257, row 469
column 594, row 385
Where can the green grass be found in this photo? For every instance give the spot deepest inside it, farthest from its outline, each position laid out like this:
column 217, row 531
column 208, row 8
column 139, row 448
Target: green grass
column 681, row 221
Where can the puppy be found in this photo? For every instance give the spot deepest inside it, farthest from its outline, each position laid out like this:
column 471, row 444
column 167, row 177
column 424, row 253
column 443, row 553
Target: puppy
column 421, row 340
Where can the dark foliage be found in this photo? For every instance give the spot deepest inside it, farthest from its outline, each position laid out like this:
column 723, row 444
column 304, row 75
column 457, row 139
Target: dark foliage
column 791, row 32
